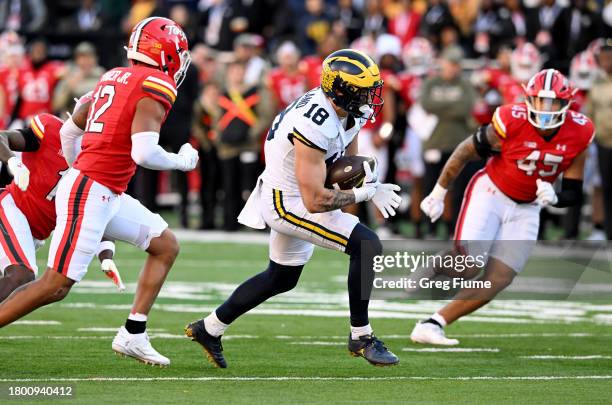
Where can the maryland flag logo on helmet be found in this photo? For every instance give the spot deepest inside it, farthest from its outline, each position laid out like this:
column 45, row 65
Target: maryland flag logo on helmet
column 352, row 80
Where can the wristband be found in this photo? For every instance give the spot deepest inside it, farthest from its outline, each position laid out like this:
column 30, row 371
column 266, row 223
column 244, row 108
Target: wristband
column 438, row 192
column 361, row 194
column 106, row 245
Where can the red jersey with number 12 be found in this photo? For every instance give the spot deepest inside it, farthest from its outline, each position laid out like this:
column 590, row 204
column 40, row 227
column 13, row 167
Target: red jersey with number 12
column 527, row 156
column 107, row 142
column 47, row 166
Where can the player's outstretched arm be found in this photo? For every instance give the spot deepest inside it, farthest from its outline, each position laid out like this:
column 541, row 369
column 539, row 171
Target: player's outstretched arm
column 73, row 129
column 310, row 172
column 480, row 145
column 146, row 151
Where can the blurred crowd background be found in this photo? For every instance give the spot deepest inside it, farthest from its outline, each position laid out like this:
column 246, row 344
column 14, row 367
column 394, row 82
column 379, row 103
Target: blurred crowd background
column 447, row 64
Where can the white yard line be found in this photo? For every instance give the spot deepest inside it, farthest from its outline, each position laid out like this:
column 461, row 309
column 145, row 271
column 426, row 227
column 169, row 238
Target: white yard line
column 547, row 357
column 34, row 323
column 294, row 378
column 452, row 349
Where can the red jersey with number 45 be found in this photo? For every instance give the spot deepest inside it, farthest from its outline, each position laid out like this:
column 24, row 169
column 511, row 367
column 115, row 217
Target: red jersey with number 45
column 107, row 142
column 526, row 155
column 47, row 166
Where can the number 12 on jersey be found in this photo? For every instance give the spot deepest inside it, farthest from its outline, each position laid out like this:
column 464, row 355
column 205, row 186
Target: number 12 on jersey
column 106, row 93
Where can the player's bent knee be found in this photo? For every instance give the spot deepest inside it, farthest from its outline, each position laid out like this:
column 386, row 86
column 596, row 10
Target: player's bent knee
column 362, row 238
column 18, row 275
column 284, row 278
column 165, row 245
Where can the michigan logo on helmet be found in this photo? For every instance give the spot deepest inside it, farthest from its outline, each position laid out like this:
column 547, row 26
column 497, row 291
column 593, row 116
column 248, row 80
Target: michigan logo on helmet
column 352, row 81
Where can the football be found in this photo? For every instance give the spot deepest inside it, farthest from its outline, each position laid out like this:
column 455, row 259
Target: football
column 347, row 172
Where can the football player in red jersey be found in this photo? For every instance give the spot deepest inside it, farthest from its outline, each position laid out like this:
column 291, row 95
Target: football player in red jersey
column 121, row 130
column 527, row 146
column 27, row 205
column 287, row 82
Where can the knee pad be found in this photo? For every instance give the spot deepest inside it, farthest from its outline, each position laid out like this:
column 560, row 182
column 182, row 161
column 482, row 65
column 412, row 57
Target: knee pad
column 360, row 234
column 283, row 278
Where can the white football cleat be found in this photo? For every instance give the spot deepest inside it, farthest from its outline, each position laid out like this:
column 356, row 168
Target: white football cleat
column 138, row 347
column 431, row 334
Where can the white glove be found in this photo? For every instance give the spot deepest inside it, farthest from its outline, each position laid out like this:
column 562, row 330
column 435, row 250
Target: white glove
column 110, row 270
column 433, row 204
column 386, row 199
column 189, row 158
column 545, row 194
column 369, row 186
column 20, row 172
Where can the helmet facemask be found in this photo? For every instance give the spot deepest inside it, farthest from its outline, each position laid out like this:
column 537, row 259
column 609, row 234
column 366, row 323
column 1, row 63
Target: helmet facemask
column 185, row 58
column 361, row 102
column 546, row 112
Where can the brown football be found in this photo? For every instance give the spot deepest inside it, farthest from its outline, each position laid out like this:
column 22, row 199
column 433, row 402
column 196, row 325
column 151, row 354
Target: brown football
column 347, row 172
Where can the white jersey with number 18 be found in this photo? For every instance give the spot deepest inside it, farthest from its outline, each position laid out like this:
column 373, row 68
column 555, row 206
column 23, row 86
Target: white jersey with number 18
column 312, row 121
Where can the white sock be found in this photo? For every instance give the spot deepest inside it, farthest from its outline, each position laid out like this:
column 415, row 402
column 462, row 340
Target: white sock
column 138, row 317
column 439, row 318
column 213, row 325
column 357, row 331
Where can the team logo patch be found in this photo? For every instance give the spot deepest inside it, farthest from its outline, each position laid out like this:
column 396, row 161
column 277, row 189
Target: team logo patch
column 348, row 169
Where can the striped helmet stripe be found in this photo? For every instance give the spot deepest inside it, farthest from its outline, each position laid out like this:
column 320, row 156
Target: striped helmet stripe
column 138, row 32
column 548, row 79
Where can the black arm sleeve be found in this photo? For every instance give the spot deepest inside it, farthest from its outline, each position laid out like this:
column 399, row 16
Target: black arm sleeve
column 32, row 142
column 481, row 142
column 570, row 194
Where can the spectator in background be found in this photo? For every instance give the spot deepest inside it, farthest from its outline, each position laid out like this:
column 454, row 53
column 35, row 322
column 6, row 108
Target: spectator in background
column 37, row 83
column 244, row 114
column 599, row 108
column 547, row 27
column 88, row 17
column 313, row 26
column 286, row 82
column 311, row 65
column 22, row 15
column 435, row 20
column 222, row 21
column 350, row 19
column 246, row 51
column 202, row 129
column 406, row 24
column 585, row 25
column 450, row 98
column 14, row 63
column 375, row 20
column 82, row 76
column 517, row 16
column 493, row 27
column 180, row 14
column 204, row 59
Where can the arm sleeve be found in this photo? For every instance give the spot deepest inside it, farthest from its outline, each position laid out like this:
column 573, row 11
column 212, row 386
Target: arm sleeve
column 71, row 137
column 147, row 153
column 570, row 194
column 32, row 141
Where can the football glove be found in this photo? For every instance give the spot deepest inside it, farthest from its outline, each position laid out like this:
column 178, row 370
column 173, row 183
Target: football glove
column 433, row 204
column 20, row 172
column 386, row 199
column 189, row 158
column 109, row 268
column 369, row 186
column 545, row 194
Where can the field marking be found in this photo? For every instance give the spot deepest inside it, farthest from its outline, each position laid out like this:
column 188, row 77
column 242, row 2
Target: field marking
column 294, row 378
column 36, row 323
column 96, row 337
column 547, row 357
column 114, row 330
column 452, row 349
column 318, row 343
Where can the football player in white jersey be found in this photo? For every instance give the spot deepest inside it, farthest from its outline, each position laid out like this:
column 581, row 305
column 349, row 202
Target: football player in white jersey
column 290, row 197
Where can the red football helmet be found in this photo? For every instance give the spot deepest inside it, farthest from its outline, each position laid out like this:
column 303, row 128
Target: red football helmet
column 548, row 96
column 160, row 42
column 525, row 62
column 583, row 70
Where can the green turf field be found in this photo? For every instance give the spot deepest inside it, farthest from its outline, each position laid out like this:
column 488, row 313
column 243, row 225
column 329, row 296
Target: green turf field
column 293, row 349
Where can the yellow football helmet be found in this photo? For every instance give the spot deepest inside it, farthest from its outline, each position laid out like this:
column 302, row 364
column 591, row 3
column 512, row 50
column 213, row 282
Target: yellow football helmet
column 352, row 80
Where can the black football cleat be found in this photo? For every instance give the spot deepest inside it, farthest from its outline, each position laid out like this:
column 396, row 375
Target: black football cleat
column 373, row 350
column 211, row 345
